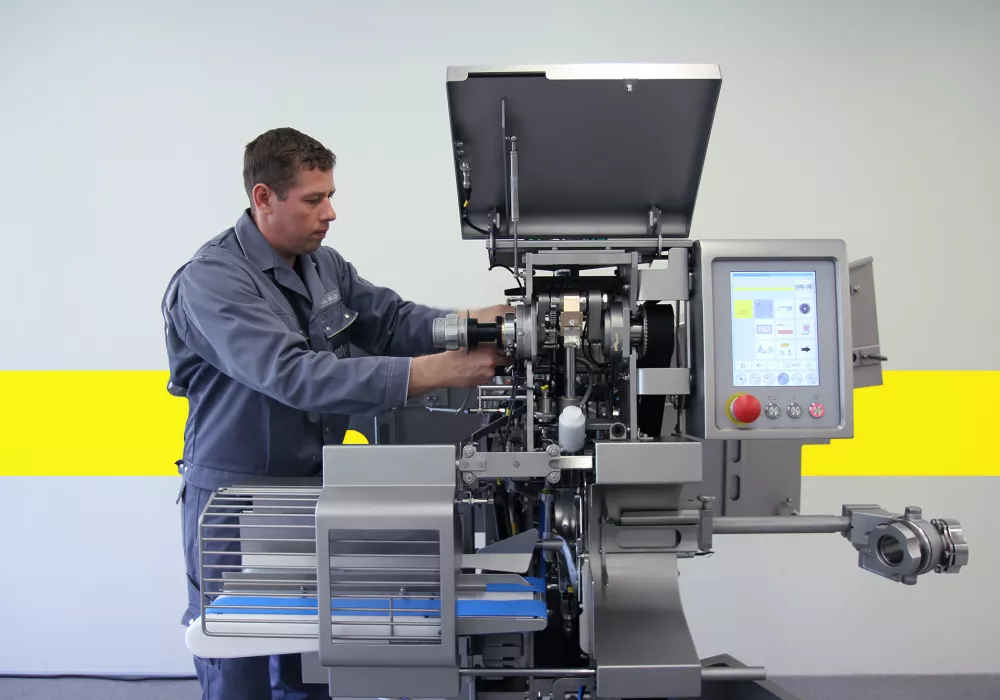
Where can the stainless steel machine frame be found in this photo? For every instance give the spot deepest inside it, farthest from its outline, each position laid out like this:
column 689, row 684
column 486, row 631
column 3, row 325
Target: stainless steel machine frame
column 522, row 540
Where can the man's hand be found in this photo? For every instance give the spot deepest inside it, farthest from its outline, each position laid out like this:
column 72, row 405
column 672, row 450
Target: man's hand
column 457, row 369
column 490, row 313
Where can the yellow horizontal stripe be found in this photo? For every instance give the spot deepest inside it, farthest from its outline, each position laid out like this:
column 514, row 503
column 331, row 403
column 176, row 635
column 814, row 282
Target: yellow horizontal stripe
column 123, row 423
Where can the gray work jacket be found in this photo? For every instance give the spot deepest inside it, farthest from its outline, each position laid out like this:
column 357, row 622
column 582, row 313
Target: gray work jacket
column 269, row 384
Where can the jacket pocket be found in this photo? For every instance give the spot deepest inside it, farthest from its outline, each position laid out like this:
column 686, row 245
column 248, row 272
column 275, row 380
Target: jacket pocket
column 332, row 327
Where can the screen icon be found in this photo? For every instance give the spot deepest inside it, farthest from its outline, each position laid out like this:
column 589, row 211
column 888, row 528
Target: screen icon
column 763, row 308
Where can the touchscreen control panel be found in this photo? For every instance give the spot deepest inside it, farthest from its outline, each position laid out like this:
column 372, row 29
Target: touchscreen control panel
column 773, row 318
column 776, row 343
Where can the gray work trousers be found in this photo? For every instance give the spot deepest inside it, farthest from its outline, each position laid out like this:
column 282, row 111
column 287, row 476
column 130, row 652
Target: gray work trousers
column 254, row 678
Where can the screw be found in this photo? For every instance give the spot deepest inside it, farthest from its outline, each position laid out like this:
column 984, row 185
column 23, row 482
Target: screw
column 516, row 464
column 706, row 502
column 553, row 477
column 469, row 450
column 913, row 512
column 468, row 477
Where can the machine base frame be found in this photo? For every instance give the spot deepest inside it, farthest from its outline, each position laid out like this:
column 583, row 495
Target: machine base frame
column 741, row 690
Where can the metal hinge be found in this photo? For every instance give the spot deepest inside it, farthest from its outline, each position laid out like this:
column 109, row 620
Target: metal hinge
column 868, row 355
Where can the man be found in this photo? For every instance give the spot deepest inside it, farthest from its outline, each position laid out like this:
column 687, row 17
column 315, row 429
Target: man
column 258, row 327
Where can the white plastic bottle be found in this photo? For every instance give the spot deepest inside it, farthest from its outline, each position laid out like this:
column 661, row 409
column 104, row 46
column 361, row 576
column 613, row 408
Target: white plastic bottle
column 572, row 424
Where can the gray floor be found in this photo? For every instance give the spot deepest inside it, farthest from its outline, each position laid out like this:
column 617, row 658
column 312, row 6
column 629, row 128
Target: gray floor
column 820, row 688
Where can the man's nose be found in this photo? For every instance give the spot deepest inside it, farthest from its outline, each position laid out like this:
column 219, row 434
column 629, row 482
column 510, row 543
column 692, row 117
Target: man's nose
column 329, row 214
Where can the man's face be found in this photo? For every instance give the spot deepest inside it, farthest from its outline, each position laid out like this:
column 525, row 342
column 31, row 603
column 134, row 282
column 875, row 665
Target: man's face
column 297, row 224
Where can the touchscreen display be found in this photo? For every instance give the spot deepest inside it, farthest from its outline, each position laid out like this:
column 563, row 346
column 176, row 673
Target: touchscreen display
column 774, row 329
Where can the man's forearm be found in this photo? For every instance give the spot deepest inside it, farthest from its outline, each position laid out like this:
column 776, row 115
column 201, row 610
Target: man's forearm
column 413, row 332
column 425, row 375
column 488, row 314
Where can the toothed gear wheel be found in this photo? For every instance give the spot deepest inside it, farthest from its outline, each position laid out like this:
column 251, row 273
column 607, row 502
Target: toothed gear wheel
column 645, row 334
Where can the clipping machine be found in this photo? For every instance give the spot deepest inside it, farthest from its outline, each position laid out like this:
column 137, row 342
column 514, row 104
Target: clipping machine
column 522, row 541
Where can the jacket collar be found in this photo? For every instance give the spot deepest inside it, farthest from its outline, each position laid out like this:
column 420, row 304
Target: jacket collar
column 259, row 252
column 254, row 246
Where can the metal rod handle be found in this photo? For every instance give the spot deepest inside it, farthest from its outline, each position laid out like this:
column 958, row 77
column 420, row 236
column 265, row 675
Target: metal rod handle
column 783, row 524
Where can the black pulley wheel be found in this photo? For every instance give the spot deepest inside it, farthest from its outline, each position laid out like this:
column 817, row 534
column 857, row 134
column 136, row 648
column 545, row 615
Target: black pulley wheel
column 656, row 350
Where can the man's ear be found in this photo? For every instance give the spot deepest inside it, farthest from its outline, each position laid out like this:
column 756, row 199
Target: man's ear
column 263, row 198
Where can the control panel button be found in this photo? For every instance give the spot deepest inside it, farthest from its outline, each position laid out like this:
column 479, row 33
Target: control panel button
column 772, row 410
column 816, row 410
column 744, row 408
column 794, row 410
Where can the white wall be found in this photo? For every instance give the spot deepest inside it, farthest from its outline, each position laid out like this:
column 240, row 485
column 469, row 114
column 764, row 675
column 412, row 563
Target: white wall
column 123, row 126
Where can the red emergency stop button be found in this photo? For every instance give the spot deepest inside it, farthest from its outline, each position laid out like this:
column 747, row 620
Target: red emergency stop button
column 744, row 408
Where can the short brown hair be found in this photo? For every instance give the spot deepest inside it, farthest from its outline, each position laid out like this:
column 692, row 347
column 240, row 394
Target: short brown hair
column 274, row 159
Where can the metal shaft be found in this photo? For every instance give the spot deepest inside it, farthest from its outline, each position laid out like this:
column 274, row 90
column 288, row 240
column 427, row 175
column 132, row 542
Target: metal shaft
column 632, row 519
column 514, row 204
column 780, row 524
column 570, row 373
column 737, row 525
column 529, row 672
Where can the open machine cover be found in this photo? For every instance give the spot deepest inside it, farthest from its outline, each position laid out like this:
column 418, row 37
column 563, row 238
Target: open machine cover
column 599, row 147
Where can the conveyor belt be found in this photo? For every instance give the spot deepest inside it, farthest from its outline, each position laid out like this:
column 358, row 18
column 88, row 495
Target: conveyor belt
column 480, row 606
column 249, row 625
column 374, row 607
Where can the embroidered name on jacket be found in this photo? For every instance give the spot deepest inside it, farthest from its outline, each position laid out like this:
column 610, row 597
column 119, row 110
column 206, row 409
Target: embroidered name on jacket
column 329, row 298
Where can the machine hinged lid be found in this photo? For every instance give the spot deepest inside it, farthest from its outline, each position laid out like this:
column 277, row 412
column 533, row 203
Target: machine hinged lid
column 603, row 151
